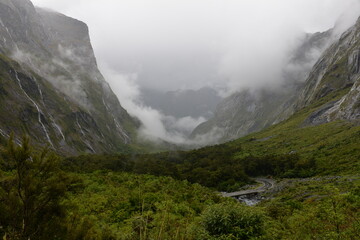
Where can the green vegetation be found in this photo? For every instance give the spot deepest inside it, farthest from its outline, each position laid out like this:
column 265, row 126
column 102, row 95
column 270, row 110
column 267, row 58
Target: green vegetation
column 114, row 197
column 165, row 195
column 319, row 208
column 31, row 191
column 333, row 147
column 130, row 206
column 212, row 167
column 232, row 221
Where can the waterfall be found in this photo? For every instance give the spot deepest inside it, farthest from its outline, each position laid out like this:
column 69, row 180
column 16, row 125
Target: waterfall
column 77, row 122
column 83, row 133
column 51, row 117
column 117, row 124
column 59, row 129
column 37, row 108
column 4, row 134
column 11, row 38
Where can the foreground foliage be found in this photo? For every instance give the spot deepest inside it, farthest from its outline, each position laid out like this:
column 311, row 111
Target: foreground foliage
column 315, row 209
column 102, row 197
column 213, row 167
column 31, row 190
column 134, row 206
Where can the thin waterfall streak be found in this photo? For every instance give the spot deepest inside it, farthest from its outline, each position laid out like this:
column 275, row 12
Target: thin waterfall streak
column 37, row 108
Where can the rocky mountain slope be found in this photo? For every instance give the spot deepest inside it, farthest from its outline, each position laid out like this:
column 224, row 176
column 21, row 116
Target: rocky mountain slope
column 50, row 85
column 336, row 77
column 250, row 111
column 333, row 81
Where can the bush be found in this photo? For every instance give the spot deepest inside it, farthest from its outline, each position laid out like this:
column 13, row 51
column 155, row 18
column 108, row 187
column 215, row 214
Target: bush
column 31, row 191
column 231, row 220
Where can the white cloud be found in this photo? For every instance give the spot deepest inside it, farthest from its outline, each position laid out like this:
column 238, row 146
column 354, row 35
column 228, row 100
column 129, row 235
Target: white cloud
column 174, row 44
column 179, row 44
column 155, row 125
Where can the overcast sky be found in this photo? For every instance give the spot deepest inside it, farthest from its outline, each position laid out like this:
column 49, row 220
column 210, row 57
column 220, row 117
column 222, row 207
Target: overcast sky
column 182, row 44
column 172, row 44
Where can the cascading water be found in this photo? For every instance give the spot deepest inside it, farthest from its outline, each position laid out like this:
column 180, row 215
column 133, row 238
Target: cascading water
column 78, row 124
column 117, row 124
column 8, row 32
column 51, row 117
column 83, row 133
column 4, row 134
column 37, row 108
column 58, row 128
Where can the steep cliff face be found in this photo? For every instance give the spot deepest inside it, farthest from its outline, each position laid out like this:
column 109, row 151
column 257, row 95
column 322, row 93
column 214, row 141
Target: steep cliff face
column 336, row 76
column 332, row 82
column 246, row 112
column 50, row 84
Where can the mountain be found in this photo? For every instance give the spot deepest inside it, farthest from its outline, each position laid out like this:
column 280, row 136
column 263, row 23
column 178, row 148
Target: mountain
column 51, row 87
column 183, row 103
column 248, row 111
column 336, row 78
column 333, row 76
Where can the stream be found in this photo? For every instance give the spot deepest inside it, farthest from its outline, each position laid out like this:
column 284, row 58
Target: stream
column 253, row 196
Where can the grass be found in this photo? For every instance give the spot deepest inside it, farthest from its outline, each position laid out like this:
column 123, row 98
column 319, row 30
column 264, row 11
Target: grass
column 335, row 146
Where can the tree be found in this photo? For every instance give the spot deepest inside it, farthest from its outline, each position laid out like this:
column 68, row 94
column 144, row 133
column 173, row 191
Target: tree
column 231, row 220
column 31, row 189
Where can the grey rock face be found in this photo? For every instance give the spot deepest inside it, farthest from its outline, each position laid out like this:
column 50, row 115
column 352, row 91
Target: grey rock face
column 337, row 70
column 54, row 90
column 335, row 76
column 246, row 112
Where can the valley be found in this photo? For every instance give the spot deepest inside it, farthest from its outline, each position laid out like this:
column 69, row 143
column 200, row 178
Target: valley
column 278, row 160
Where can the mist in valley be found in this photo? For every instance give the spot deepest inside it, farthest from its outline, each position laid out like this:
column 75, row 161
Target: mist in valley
column 173, row 47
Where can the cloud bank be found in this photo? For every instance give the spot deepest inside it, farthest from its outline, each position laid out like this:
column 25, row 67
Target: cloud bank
column 174, row 44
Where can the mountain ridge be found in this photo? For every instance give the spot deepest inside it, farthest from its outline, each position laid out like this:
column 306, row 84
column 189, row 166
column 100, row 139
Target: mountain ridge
column 48, row 61
column 245, row 112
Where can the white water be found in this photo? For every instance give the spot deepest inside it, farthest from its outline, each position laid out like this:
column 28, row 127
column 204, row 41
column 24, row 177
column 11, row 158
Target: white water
column 77, row 122
column 4, row 134
column 8, row 32
column 117, row 124
column 59, row 129
column 83, row 133
column 38, row 110
column 51, row 118
column 89, row 146
column 249, row 200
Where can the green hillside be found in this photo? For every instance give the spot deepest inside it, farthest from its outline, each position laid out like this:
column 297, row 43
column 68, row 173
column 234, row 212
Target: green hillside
column 334, row 146
column 104, row 197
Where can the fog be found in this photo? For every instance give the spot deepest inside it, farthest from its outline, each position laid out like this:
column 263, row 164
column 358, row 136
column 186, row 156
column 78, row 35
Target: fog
column 187, row 44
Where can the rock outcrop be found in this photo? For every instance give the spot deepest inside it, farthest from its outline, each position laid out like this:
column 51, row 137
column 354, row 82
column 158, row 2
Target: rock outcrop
column 250, row 111
column 335, row 76
column 51, row 87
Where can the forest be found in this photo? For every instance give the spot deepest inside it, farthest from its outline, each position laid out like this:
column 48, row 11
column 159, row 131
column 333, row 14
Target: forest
column 166, row 196
column 214, row 167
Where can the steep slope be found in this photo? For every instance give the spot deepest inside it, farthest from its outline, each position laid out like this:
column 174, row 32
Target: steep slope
column 337, row 72
column 250, row 111
column 51, row 87
column 325, row 126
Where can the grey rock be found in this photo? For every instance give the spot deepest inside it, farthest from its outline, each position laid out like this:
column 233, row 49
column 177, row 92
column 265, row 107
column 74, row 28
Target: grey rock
column 55, row 91
column 246, row 112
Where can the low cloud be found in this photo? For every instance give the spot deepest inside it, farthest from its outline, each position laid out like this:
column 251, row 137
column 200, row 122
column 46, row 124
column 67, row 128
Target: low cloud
column 178, row 44
column 187, row 44
column 58, row 71
column 155, row 125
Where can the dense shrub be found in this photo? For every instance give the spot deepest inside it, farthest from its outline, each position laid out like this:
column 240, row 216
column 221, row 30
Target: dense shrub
column 231, row 220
